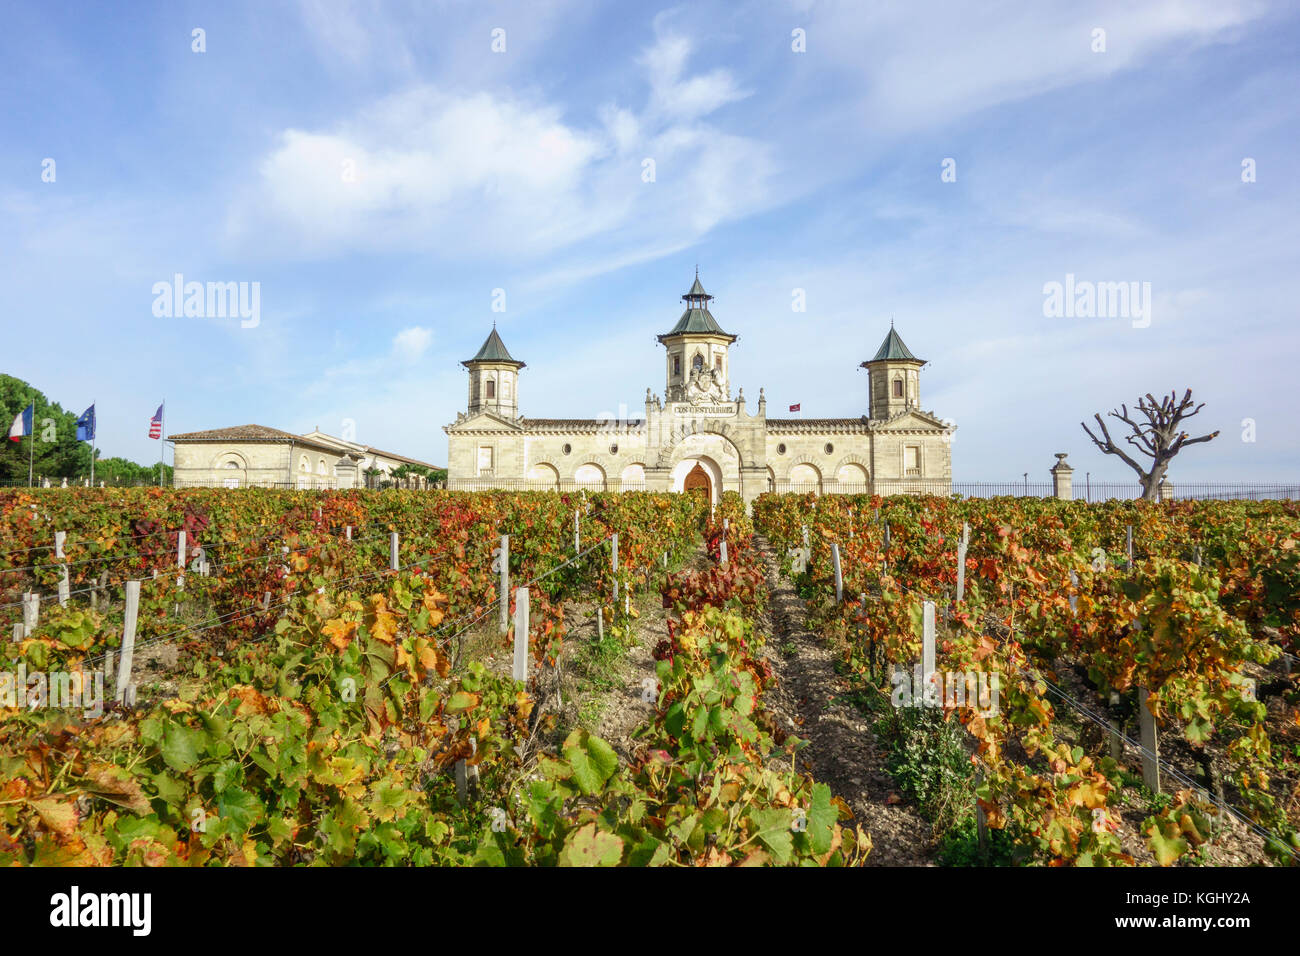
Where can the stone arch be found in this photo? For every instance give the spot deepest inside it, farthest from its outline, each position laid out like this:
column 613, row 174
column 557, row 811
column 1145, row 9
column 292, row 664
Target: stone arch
column 602, row 462
column 543, row 472
column 689, row 463
column 669, row 450
column 224, row 458
column 633, row 473
column 804, row 474
column 591, row 472
column 809, row 460
column 230, row 469
column 852, row 470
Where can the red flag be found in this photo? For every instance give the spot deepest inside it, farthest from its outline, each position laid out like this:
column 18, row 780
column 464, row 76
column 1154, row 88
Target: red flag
column 795, row 408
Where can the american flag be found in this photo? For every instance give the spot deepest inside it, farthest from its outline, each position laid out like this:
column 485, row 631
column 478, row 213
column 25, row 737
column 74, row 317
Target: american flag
column 155, row 424
column 795, row 408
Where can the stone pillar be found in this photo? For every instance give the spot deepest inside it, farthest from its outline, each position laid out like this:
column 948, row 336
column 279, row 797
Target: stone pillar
column 1062, row 478
column 346, row 473
column 1166, row 490
column 753, row 482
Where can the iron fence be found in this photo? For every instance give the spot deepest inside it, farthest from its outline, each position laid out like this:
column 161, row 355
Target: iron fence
column 1086, row 490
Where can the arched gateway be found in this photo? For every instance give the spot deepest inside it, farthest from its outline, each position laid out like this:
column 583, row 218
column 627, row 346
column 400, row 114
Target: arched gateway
column 697, row 481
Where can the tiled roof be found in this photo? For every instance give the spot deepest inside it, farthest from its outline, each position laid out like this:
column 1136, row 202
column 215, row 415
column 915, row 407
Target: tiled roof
column 779, row 423
column 402, row 458
column 697, row 319
column 893, row 349
column 249, row 433
column 357, row 448
column 494, row 350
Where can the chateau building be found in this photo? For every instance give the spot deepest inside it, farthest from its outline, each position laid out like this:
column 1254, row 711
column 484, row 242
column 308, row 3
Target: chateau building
column 698, row 436
column 248, row 456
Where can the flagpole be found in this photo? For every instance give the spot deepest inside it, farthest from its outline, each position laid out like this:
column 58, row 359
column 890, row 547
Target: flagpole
column 92, row 453
column 31, row 445
column 162, row 441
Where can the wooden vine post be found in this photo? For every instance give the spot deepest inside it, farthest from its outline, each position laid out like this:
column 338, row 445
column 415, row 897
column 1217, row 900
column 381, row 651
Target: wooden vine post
column 962, row 544
column 125, row 690
column 520, row 671
column 59, row 538
column 1150, row 742
column 928, row 656
column 839, row 578
column 503, row 567
column 613, row 560
column 31, row 612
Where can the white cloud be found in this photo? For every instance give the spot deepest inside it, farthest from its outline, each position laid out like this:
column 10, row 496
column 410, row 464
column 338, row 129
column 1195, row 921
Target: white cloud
column 412, row 343
column 495, row 174
column 689, row 98
column 924, row 64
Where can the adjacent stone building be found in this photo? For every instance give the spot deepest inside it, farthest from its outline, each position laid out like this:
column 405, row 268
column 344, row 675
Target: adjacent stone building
column 258, row 456
column 698, row 436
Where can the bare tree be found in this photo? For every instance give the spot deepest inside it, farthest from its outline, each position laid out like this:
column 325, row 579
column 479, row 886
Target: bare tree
column 1157, row 434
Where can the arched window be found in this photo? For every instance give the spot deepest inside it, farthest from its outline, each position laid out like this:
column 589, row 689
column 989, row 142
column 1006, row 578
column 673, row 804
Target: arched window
column 697, row 363
column 303, row 465
column 677, row 365
column 320, row 467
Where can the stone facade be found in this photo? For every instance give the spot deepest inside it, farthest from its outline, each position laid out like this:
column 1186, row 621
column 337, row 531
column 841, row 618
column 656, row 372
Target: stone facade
column 258, row 456
column 701, row 436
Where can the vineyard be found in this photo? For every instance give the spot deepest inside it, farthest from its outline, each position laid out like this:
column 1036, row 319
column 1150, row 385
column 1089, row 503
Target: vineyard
column 1110, row 627
column 274, row 678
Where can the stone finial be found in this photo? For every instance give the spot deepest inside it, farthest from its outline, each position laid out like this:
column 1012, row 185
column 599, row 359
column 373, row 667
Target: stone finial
column 648, row 397
column 762, row 400
column 740, row 396
column 1062, row 478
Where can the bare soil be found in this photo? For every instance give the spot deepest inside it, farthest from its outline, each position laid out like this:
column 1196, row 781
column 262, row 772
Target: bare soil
column 842, row 750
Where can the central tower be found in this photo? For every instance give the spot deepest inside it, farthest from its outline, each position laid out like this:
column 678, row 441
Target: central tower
column 699, row 367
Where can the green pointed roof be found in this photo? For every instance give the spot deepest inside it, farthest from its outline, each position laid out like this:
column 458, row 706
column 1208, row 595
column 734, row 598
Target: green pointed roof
column 494, row 350
column 697, row 319
column 893, row 349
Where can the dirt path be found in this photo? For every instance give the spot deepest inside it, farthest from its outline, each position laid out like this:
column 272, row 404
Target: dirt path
column 843, row 751
column 624, row 709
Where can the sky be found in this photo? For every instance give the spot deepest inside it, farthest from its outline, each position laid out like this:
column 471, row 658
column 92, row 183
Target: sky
column 394, row 177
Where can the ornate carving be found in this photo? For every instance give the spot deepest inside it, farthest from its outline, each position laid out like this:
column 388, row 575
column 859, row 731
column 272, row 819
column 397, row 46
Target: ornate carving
column 705, row 386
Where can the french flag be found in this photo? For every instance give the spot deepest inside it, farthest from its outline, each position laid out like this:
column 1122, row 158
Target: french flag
column 22, row 423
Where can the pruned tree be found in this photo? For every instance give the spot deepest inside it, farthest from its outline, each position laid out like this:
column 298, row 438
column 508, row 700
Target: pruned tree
column 1156, row 432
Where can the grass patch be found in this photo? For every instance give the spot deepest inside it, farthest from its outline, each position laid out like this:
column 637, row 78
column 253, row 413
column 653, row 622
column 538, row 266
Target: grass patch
column 928, row 760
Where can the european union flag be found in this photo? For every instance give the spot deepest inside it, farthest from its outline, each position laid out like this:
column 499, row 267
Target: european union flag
column 86, row 425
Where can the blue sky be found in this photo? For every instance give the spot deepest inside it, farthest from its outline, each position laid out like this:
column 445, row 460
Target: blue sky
column 775, row 170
